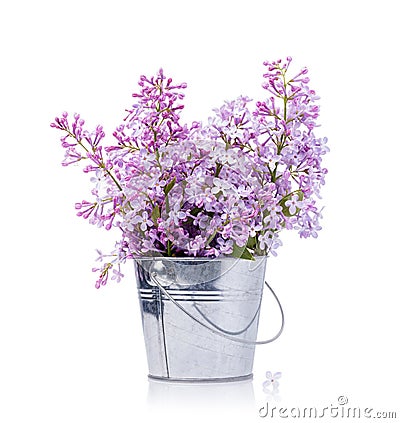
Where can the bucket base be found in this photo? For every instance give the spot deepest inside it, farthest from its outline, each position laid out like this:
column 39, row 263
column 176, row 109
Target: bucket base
column 201, row 380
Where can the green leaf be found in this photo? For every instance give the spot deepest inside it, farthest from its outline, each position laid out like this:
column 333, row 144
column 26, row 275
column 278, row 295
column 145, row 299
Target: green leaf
column 247, row 255
column 285, row 209
column 241, row 252
column 251, row 242
column 169, row 186
column 155, row 214
column 237, row 251
column 195, row 211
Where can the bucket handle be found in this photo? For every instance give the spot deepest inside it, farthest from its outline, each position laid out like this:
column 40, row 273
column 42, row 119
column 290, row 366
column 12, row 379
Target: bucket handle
column 153, row 276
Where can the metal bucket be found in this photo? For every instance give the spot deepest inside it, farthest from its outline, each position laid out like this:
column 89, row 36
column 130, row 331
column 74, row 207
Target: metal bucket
column 200, row 316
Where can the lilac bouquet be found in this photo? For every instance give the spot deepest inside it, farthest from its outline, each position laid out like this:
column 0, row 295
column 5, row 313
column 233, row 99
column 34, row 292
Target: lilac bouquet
column 222, row 188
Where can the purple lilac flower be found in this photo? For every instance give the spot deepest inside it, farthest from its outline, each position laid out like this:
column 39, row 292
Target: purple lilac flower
column 272, row 379
column 228, row 186
column 293, row 204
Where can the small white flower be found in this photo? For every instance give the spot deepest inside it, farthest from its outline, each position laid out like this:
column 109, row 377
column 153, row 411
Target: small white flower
column 99, row 180
column 221, row 185
column 254, row 229
column 176, row 215
column 294, row 203
column 272, row 160
column 272, row 379
column 131, row 220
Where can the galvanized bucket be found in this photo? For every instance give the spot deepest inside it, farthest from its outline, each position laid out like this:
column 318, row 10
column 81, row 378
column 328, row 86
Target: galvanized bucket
column 200, row 316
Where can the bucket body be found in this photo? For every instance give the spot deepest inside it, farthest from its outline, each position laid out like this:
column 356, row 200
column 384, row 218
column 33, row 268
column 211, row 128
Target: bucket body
column 222, row 294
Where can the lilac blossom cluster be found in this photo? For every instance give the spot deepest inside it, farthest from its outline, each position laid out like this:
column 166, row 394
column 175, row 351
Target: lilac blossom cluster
column 225, row 187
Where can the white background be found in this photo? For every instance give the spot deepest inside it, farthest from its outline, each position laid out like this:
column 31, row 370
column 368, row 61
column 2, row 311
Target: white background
column 71, row 353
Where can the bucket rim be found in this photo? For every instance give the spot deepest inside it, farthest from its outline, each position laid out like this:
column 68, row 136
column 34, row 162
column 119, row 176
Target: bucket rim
column 199, row 259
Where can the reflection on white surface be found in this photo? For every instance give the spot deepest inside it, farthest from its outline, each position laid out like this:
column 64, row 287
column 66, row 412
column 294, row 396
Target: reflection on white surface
column 272, row 394
column 223, row 396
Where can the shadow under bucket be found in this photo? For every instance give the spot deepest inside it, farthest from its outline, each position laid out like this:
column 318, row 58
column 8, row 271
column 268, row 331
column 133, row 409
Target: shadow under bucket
column 200, row 316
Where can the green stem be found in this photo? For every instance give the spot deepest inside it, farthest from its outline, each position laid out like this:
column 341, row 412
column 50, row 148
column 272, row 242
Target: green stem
column 218, row 169
column 211, row 237
column 167, row 208
column 285, row 100
column 101, row 164
column 169, row 245
column 111, row 176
